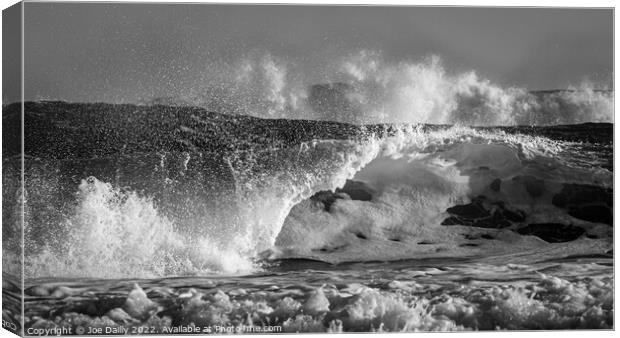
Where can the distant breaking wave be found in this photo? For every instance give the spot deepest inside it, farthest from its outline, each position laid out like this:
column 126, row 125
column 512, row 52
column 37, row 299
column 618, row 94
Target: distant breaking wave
column 365, row 88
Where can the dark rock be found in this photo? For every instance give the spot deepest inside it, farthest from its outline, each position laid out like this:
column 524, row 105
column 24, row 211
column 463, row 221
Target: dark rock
column 361, row 235
column 586, row 202
column 455, row 221
column 468, row 244
column 451, row 221
column 326, row 197
column 471, row 211
column 487, row 222
column 496, row 184
column 485, row 236
column 425, row 243
column 513, row 216
column 357, row 190
column 582, row 194
column 553, row 232
column 593, row 213
column 476, row 215
column 560, row 200
column 352, row 189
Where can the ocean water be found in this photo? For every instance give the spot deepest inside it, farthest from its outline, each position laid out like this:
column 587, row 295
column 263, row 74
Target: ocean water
column 308, row 296
column 375, row 204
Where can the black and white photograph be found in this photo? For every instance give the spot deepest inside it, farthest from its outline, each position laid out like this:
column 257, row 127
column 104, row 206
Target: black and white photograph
column 230, row 168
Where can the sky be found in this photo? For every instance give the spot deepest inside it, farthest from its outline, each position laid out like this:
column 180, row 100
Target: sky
column 129, row 52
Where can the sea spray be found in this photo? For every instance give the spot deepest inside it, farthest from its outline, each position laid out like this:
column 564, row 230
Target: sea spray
column 115, row 233
column 215, row 191
column 366, row 87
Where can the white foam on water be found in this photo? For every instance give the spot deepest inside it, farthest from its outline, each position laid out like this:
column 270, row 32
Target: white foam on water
column 542, row 302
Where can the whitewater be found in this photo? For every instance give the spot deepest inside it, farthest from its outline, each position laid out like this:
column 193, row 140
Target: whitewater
column 382, row 196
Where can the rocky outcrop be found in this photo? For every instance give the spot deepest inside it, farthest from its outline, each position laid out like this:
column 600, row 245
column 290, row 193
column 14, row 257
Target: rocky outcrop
column 586, row 202
column 352, row 190
column 553, row 232
column 496, row 215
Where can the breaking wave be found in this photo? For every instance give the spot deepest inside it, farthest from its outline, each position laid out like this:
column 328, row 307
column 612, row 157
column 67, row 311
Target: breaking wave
column 115, row 234
column 411, row 176
column 169, row 188
column 365, row 87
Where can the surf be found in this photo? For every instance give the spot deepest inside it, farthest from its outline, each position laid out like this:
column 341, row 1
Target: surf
column 365, row 87
column 177, row 210
column 257, row 163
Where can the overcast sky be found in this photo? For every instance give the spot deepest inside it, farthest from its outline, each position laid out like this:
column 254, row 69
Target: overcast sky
column 124, row 52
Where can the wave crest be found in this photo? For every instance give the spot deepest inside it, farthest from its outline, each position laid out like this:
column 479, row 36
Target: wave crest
column 204, row 214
